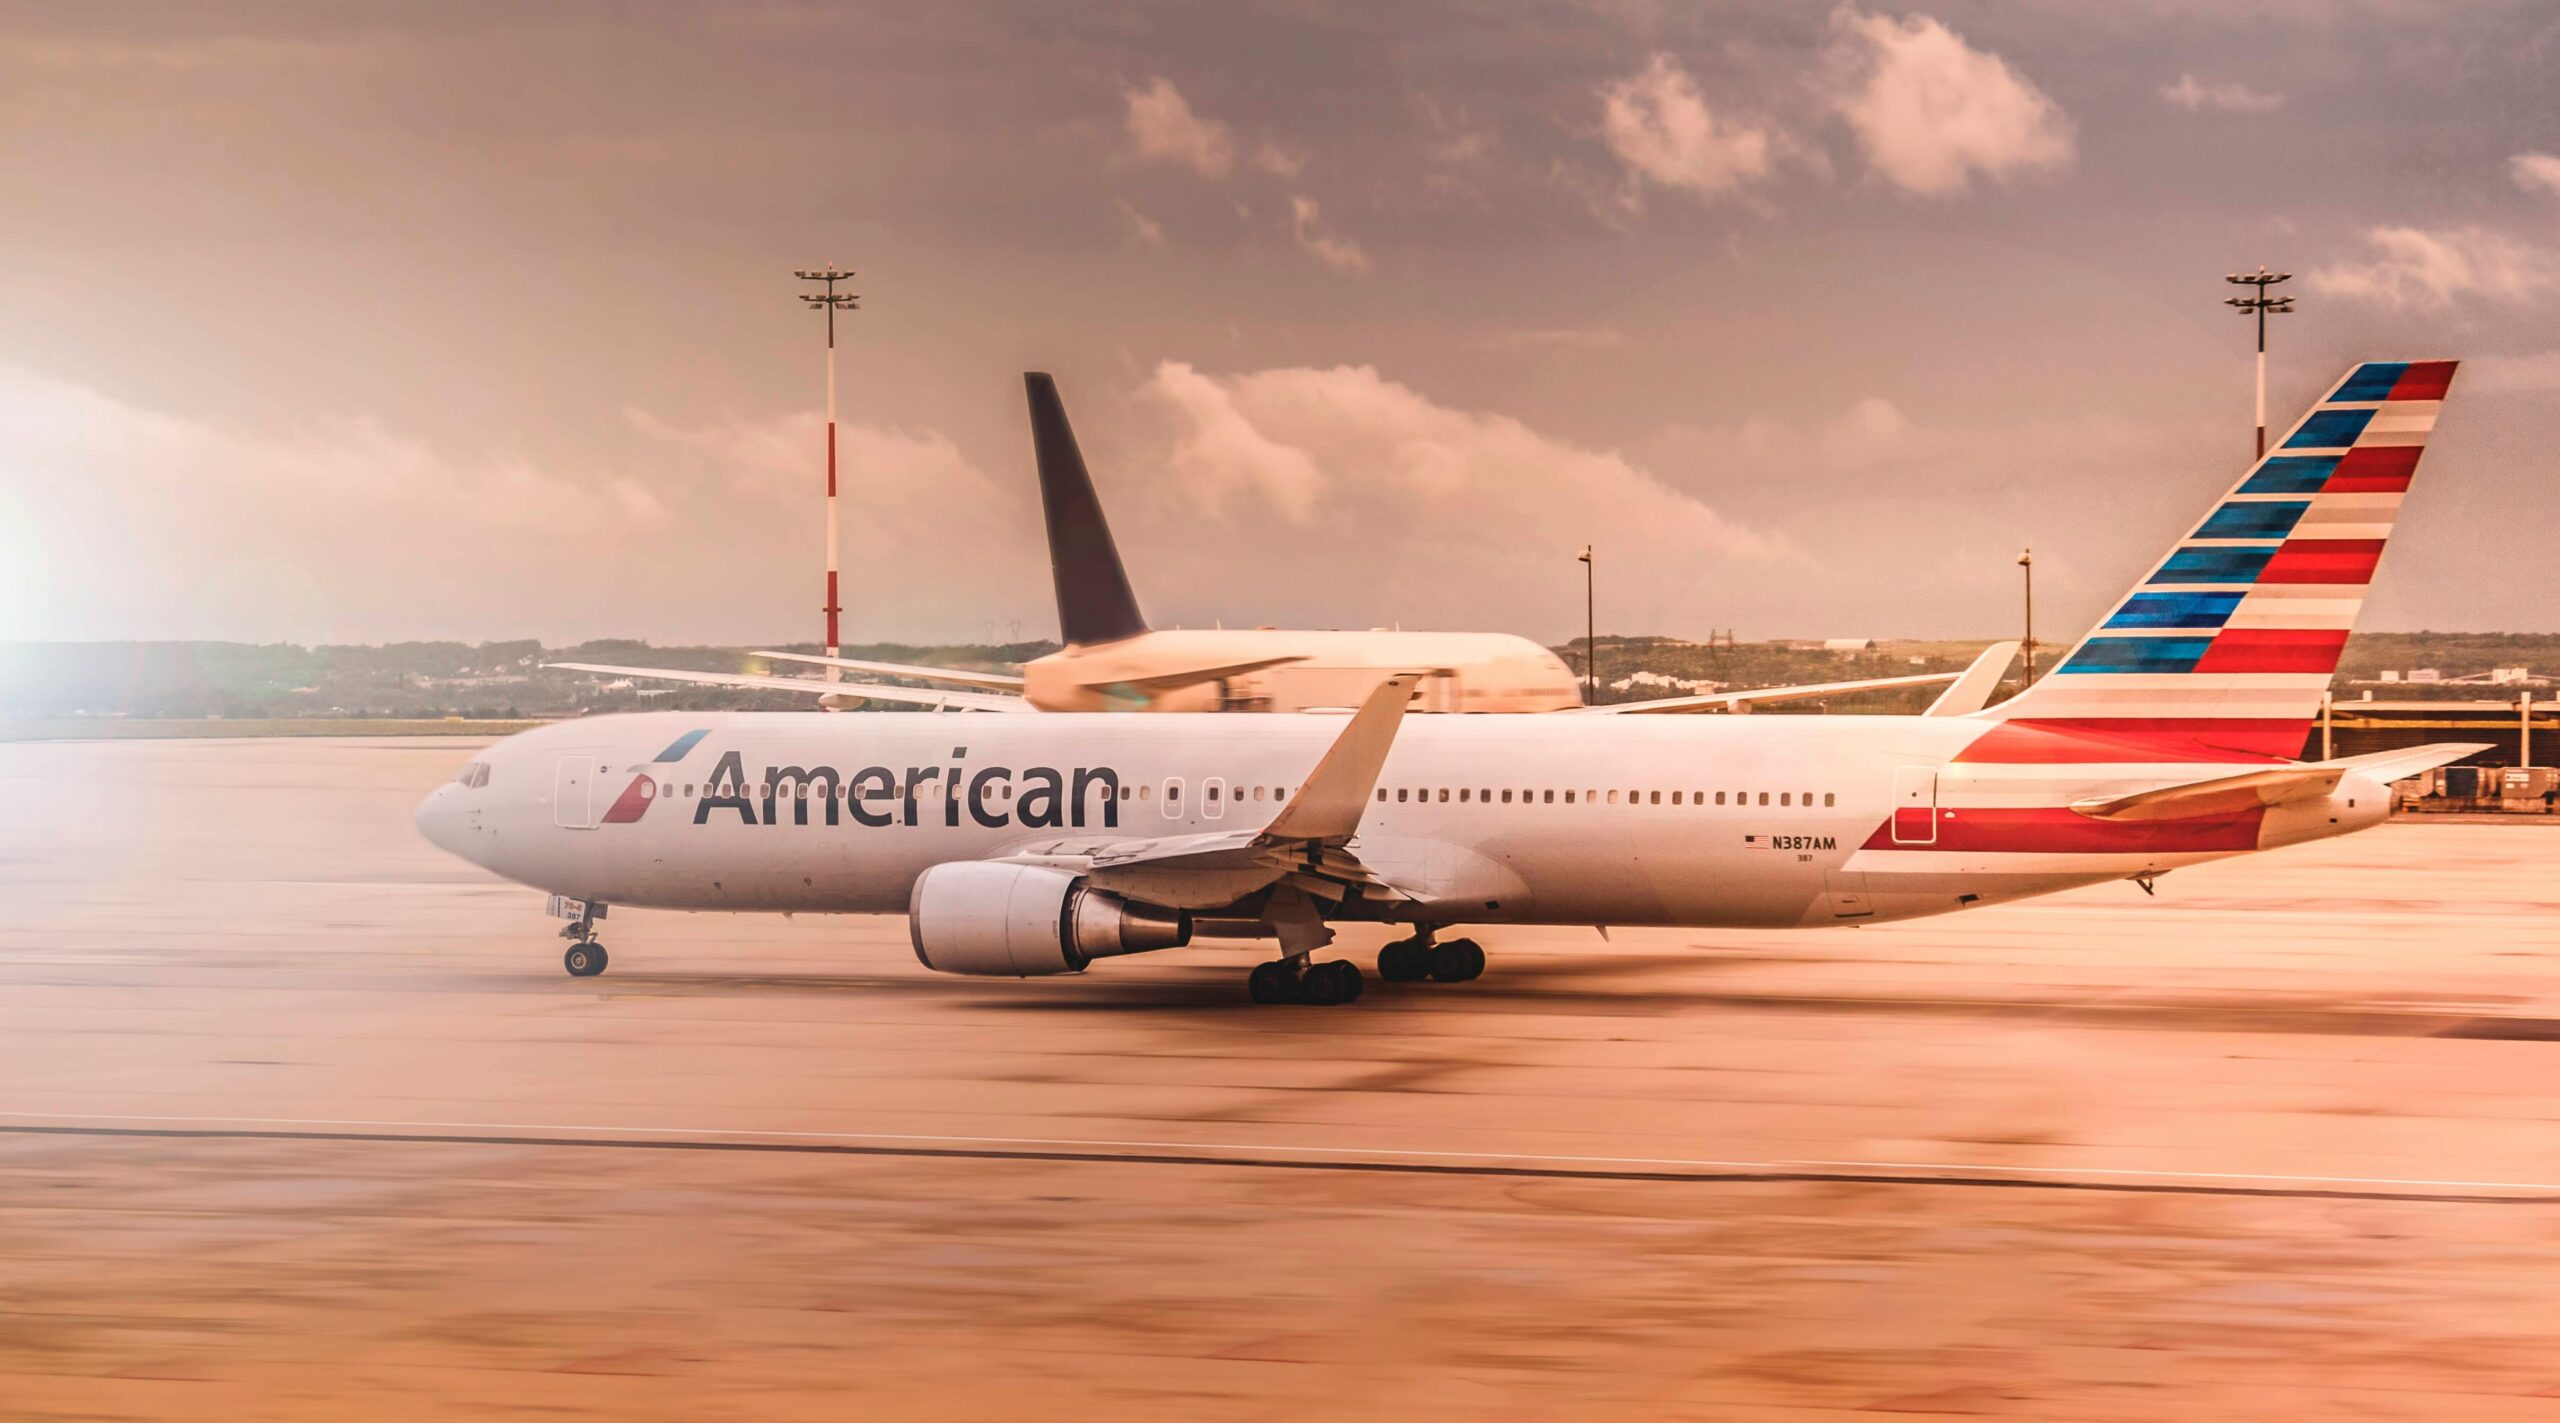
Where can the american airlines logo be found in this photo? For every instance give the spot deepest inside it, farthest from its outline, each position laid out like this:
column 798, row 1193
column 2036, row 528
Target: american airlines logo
column 1033, row 797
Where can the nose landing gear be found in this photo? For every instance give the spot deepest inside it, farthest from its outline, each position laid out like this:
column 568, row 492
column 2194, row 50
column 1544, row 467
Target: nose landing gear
column 586, row 956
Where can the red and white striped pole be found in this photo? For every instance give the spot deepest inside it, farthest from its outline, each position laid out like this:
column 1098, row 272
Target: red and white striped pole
column 831, row 301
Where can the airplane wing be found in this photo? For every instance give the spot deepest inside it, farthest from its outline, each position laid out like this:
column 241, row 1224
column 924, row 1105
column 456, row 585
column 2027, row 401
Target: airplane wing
column 842, row 693
column 1736, row 701
column 1305, row 846
column 986, row 681
column 1972, row 691
column 2272, row 785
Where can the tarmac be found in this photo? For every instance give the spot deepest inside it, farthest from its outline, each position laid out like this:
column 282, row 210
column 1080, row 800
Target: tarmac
column 301, row 1119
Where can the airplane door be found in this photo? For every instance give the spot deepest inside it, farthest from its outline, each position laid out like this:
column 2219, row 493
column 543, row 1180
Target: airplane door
column 573, row 789
column 1915, row 805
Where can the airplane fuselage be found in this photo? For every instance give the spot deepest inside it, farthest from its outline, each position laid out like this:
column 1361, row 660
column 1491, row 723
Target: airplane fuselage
column 1700, row 821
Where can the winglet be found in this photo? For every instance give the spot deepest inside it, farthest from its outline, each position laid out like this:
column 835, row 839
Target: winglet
column 1329, row 805
column 1094, row 601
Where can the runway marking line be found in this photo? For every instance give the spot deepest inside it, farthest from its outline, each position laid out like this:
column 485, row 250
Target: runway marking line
column 1284, row 1156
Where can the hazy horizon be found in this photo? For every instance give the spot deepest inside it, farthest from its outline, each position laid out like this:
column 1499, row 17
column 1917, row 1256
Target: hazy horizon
column 322, row 325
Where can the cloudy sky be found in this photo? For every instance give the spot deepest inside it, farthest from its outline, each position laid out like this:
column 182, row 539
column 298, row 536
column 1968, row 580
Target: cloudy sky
column 323, row 322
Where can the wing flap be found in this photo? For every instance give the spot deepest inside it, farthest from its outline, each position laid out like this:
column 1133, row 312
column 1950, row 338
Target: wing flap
column 984, row 681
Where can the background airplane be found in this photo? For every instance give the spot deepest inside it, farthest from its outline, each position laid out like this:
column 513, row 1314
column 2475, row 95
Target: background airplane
column 1021, row 847
column 1114, row 661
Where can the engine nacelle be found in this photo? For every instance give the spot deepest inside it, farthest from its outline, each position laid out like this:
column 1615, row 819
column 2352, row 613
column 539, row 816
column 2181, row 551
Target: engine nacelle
column 1017, row 921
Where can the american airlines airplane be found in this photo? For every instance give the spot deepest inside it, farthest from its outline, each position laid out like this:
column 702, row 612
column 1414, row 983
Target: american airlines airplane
column 1113, row 661
column 1023, row 846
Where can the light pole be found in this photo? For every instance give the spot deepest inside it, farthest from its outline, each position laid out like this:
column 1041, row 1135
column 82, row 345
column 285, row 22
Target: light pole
column 1590, row 636
column 2027, row 562
column 831, row 301
column 2259, row 303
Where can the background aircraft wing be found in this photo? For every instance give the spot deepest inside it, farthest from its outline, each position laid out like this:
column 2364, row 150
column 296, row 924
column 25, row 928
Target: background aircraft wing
column 987, row 681
column 1181, row 677
column 847, row 693
column 1727, row 701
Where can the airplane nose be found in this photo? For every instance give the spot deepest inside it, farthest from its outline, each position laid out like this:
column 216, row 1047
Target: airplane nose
column 440, row 820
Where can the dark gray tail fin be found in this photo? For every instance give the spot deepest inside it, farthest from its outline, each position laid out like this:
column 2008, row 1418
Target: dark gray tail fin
column 1094, row 601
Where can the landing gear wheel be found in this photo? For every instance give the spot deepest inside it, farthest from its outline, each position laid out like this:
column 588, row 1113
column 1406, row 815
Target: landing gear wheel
column 1456, row 961
column 1325, row 984
column 1405, row 961
column 1274, row 982
column 584, row 960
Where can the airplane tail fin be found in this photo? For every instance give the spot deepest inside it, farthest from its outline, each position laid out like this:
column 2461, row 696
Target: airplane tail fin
column 2223, row 651
column 1094, row 601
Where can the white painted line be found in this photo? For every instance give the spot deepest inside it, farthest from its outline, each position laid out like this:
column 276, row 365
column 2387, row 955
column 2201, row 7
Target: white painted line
column 1283, row 1149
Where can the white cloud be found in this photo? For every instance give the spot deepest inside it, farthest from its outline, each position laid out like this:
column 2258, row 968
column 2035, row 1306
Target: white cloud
column 1165, row 130
column 1930, row 111
column 160, row 525
column 1306, row 225
column 1142, row 229
column 2411, row 266
column 1278, row 159
column 2535, row 171
column 1458, row 509
column 1659, row 126
column 2194, row 95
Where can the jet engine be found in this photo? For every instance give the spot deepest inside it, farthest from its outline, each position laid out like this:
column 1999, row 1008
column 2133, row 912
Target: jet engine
column 1016, row 921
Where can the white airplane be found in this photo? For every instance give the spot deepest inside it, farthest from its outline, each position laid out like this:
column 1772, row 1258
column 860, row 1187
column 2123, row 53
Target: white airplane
column 1022, row 846
column 1113, row 661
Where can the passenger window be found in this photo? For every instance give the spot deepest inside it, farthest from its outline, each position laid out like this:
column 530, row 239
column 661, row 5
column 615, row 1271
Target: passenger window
column 1786, row 798
column 1444, row 795
column 1399, row 795
column 1506, row 797
column 1808, row 798
column 1675, row 797
column 1613, row 797
column 1655, row 797
column 1719, row 797
column 1826, row 799
column 1568, row 797
column 1764, row 797
column 1382, row 795
column 1257, row 792
column 1142, row 793
column 1210, row 791
column 1486, row 796
column 1550, row 798
column 1462, row 795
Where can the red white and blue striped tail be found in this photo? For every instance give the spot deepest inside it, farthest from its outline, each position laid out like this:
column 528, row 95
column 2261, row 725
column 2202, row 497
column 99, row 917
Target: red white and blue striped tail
column 2222, row 653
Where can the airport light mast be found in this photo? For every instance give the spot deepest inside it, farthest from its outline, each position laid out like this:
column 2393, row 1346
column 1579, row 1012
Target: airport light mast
column 2027, row 643
column 831, row 301
column 2260, row 304
column 1590, row 635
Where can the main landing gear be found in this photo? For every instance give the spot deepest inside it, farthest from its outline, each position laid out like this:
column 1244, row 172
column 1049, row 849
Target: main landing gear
column 1412, row 960
column 1295, row 981
column 586, row 956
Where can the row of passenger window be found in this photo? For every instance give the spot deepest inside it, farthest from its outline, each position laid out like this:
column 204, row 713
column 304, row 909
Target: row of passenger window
column 1214, row 792
column 1440, row 795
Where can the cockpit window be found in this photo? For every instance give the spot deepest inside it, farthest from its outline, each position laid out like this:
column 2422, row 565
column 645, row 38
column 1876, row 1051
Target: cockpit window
column 473, row 776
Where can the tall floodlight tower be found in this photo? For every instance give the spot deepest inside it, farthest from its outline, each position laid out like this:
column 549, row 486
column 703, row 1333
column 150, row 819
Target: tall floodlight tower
column 831, row 301
column 1590, row 634
column 2257, row 302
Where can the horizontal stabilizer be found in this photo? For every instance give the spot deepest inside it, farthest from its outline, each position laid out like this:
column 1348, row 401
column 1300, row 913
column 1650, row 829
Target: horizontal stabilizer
column 985, row 681
column 2273, row 785
column 811, row 686
column 1972, row 691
